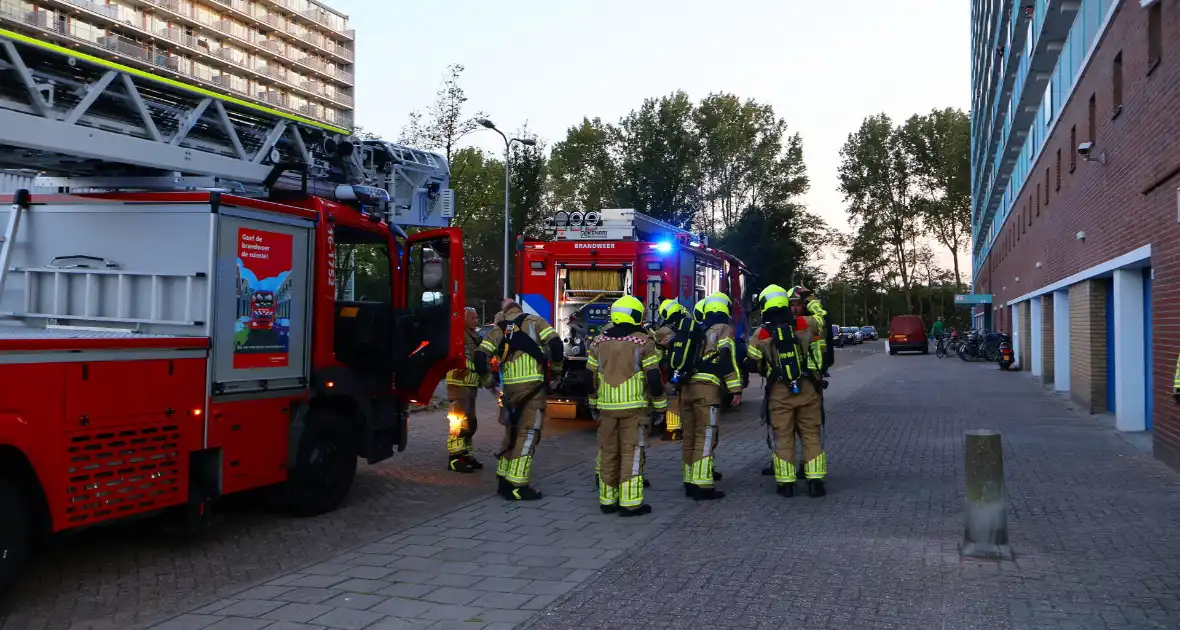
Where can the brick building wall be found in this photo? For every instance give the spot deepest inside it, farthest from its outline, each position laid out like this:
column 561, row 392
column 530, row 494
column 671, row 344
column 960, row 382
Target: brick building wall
column 1124, row 204
column 1047, row 354
column 1087, row 345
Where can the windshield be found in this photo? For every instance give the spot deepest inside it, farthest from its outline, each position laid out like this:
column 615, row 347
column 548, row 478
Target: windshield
column 363, row 271
column 848, row 329
column 868, row 329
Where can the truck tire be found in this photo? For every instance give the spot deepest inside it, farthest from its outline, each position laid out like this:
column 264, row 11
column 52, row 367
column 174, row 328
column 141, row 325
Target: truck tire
column 325, row 464
column 15, row 538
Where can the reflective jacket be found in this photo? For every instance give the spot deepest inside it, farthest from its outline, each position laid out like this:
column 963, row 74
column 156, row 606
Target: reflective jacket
column 466, row 376
column 620, row 365
column 720, row 352
column 519, row 367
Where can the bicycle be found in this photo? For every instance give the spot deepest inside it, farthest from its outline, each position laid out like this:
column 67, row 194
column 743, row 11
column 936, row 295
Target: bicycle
column 940, row 346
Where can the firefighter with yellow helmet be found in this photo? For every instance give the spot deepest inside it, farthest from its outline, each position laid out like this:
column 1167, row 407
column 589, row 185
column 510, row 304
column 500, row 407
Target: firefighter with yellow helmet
column 671, row 314
column 628, row 389
column 714, row 373
column 781, row 351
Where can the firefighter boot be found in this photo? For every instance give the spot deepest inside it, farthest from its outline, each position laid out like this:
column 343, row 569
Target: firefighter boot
column 646, row 483
column 502, row 486
column 768, row 471
column 785, row 490
column 639, row 511
column 522, row 493
column 689, row 490
column 473, row 462
column 707, row 494
column 815, row 487
column 460, row 464
column 717, row 476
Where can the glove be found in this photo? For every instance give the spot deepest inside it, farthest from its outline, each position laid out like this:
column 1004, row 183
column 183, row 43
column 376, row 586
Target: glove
column 737, row 400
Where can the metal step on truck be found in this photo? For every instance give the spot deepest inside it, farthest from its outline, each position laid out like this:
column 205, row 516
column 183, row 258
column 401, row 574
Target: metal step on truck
column 201, row 296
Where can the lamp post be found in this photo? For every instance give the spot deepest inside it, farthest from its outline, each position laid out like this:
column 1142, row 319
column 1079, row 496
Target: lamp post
column 528, row 142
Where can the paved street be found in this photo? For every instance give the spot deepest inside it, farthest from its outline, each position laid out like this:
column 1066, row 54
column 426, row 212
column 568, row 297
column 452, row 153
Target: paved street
column 1092, row 524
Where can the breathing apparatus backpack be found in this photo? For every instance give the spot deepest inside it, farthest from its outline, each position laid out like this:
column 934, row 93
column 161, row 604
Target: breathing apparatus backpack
column 784, row 363
column 686, row 347
column 517, row 340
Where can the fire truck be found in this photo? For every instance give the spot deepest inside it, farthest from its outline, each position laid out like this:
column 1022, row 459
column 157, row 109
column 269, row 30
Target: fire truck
column 597, row 257
column 168, row 221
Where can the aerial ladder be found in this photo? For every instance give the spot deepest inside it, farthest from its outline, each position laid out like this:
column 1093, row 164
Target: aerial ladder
column 87, row 124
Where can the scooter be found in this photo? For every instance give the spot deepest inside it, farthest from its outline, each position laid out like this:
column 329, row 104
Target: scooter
column 1006, row 356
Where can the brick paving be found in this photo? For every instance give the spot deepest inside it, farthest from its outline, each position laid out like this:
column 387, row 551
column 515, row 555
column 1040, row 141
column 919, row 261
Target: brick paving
column 1092, row 520
column 118, row 576
column 1092, row 523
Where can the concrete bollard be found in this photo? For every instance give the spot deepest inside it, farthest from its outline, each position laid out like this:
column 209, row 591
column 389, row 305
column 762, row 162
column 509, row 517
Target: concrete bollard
column 985, row 519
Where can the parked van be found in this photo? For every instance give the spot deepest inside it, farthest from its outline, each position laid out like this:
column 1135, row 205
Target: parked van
column 908, row 333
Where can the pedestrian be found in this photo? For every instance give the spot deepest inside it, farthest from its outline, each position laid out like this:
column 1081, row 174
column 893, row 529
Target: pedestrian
column 462, row 387
column 529, row 355
column 700, row 405
column 937, row 329
column 627, row 391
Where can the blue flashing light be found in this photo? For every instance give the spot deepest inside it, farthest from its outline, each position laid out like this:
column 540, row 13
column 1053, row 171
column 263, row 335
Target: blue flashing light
column 664, row 247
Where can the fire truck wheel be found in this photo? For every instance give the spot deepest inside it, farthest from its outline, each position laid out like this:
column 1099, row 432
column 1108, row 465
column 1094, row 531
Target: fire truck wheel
column 14, row 534
column 325, row 464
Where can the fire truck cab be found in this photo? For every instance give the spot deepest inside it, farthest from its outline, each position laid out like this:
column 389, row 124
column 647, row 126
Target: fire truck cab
column 597, row 257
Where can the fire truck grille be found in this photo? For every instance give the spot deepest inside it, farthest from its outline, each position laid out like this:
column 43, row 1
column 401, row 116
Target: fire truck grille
column 116, row 472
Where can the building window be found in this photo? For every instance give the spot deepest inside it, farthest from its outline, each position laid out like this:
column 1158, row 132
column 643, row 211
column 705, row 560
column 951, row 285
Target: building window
column 1073, row 148
column 1093, row 137
column 1116, row 84
column 1155, row 36
column 1048, row 104
column 1038, row 199
column 1057, row 184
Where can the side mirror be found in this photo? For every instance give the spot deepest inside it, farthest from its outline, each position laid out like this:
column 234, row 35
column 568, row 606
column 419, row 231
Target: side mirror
column 433, row 274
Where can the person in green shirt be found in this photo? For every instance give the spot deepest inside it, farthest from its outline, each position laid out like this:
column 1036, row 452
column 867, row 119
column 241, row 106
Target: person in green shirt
column 936, row 331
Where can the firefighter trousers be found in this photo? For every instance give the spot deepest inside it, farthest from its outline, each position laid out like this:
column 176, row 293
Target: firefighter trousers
column 700, row 410
column 520, row 440
column 792, row 414
column 622, row 442
column 463, row 422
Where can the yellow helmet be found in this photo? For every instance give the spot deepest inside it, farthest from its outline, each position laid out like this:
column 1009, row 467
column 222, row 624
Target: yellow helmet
column 723, row 297
column 699, row 311
column 717, row 303
column 626, row 310
column 773, row 296
column 670, row 307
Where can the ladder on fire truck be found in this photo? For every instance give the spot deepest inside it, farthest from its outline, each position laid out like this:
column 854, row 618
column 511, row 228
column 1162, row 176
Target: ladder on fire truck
column 85, row 124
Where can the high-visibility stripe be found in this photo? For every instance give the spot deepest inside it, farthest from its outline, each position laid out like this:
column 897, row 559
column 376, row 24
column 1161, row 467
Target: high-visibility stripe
column 784, row 471
column 817, row 468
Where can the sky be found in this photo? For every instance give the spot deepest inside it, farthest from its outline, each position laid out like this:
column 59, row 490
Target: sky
column 823, row 65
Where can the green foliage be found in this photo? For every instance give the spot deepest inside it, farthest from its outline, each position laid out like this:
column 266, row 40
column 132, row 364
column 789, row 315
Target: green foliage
column 660, row 159
column 584, row 169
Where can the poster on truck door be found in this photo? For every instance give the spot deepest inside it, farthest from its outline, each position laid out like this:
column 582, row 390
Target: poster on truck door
column 262, row 330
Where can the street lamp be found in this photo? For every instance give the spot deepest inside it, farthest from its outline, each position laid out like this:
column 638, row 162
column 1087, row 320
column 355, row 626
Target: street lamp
column 528, row 142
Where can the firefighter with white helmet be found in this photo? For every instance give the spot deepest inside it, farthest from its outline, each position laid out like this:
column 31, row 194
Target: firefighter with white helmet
column 628, row 389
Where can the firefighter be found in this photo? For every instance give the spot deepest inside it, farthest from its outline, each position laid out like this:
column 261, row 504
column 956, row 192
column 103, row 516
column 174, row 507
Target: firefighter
column 671, row 312
column 462, row 386
column 628, row 388
column 528, row 354
column 700, row 402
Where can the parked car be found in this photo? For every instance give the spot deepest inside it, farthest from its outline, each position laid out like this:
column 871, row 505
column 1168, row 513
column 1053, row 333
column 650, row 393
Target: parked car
column 908, row 333
column 837, row 338
column 851, row 335
column 869, row 333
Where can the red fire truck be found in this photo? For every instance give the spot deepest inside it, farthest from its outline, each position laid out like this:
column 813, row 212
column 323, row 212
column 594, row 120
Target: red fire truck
column 133, row 377
column 597, row 257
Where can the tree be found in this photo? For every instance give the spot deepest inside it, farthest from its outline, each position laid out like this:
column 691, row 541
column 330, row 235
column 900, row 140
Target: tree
column 479, row 201
column 878, row 183
column 939, row 145
column 744, row 163
column 445, row 124
column 660, row 159
column 584, row 170
column 529, row 192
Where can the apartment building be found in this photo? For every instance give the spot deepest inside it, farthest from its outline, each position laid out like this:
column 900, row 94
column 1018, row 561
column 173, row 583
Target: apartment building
column 1076, row 199
column 294, row 56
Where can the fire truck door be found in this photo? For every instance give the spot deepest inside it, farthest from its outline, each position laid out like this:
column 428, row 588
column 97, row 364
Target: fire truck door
column 428, row 340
